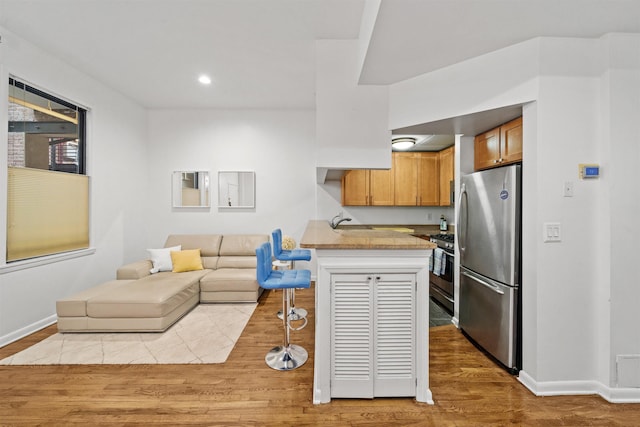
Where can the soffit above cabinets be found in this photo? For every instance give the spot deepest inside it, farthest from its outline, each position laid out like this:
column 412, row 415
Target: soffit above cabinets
column 426, row 142
column 444, row 132
column 468, row 124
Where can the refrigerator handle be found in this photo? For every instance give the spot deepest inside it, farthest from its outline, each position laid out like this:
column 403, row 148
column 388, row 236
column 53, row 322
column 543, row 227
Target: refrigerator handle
column 461, row 227
column 483, row 283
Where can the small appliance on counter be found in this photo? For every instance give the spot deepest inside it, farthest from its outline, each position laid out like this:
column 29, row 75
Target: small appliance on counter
column 443, row 223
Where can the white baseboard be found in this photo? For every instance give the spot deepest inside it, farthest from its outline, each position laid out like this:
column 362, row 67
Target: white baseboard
column 455, row 322
column 27, row 330
column 568, row 388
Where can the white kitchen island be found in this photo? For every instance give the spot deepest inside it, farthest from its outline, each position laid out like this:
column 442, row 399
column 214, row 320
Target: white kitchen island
column 371, row 313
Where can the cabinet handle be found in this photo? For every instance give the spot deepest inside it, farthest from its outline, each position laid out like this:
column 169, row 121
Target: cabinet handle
column 496, row 161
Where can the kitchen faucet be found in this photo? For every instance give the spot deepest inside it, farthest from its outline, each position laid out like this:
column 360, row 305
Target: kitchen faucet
column 336, row 220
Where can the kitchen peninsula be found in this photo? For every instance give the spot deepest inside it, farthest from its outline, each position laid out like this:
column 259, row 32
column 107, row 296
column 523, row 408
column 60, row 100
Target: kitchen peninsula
column 372, row 313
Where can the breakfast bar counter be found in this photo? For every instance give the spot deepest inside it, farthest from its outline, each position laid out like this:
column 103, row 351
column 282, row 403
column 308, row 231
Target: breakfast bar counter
column 372, row 313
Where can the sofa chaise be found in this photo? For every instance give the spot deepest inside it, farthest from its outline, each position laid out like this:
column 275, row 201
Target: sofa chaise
column 144, row 299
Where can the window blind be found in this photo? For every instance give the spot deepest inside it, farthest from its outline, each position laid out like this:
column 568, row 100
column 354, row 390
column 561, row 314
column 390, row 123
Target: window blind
column 47, row 213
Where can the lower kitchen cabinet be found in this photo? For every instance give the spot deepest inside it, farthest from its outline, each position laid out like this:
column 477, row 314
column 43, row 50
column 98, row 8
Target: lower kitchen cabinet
column 371, row 323
column 373, row 335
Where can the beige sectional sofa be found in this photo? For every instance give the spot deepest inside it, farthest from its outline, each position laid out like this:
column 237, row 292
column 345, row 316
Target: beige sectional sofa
column 139, row 300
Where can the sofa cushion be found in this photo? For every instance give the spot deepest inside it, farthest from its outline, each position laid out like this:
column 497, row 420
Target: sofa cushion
column 242, row 244
column 209, row 245
column 134, row 270
column 76, row 304
column 152, row 296
column 237, row 262
column 187, row 260
column 161, row 258
column 229, row 279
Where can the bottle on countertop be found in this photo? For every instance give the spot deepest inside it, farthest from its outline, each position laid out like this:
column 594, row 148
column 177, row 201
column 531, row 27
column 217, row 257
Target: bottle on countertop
column 443, row 223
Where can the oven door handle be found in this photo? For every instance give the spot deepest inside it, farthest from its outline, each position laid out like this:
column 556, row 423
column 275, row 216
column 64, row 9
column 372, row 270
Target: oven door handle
column 483, row 283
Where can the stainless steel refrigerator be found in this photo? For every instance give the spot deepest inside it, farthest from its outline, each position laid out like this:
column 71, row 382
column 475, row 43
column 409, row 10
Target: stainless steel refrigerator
column 488, row 237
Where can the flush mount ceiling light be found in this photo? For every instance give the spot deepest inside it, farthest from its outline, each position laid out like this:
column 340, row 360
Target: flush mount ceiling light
column 403, row 143
column 204, row 79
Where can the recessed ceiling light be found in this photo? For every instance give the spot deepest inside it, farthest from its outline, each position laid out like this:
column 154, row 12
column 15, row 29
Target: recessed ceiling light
column 204, row 79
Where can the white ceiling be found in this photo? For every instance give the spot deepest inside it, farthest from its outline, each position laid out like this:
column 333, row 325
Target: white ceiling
column 413, row 37
column 261, row 53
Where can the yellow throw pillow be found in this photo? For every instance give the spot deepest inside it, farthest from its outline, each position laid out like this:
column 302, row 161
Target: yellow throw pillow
column 187, row 260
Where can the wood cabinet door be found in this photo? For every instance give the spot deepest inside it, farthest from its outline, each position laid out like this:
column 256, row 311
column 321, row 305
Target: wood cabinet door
column 381, row 188
column 428, row 179
column 511, row 141
column 446, row 164
column 405, row 168
column 355, row 188
column 487, row 149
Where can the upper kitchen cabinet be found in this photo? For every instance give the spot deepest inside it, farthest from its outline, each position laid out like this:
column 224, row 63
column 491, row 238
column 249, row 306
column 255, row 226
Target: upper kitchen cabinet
column 364, row 187
column 446, row 164
column 499, row 146
column 416, row 178
column 355, row 188
column 381, row 187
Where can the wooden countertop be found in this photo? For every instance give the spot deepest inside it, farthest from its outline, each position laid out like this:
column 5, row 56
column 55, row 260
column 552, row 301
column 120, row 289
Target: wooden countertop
column 320, row 235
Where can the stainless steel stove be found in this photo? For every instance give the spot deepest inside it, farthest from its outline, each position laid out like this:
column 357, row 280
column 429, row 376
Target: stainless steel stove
column 441, row 285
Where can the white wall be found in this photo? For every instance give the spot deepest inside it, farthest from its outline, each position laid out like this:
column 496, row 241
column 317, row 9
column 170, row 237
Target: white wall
column 566, row 272
column 621, row 199
column 117, row 166
column 586, row 95
column 352, row 130
column 352, row 127
column 277, row 144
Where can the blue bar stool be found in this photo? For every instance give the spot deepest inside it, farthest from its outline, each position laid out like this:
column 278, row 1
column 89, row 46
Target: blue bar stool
column 285, row 255
column 287, row 356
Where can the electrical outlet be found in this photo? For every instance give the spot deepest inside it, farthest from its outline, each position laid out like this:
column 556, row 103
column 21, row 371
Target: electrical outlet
column 429, row 216
column 551, row 232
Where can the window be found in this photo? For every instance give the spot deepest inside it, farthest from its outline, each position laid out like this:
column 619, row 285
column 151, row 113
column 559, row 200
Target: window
column 48, row 190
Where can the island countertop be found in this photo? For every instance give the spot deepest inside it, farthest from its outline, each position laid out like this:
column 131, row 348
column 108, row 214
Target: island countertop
column 320, row 235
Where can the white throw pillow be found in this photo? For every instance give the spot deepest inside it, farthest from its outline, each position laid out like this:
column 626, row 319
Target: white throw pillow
column 161, row 258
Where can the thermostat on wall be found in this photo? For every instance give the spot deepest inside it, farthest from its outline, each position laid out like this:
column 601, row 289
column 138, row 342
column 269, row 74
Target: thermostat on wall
column 588, row 170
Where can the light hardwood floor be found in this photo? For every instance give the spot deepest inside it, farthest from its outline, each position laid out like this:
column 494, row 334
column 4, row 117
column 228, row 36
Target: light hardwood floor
column 468, row 389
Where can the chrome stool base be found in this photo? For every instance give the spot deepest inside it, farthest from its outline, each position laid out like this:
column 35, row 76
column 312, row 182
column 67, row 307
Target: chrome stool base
column 295, row 313
column 286, row 358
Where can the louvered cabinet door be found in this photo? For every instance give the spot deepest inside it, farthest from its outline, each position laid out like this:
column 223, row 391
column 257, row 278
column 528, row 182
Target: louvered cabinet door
column 352, row 335
column 372, row 335
column 394, row 332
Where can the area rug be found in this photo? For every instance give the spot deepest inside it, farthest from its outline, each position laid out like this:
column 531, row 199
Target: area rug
column 207, row 334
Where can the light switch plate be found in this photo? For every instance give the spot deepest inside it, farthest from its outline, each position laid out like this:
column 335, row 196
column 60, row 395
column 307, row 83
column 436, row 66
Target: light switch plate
column 551, row 232
column 568, row 189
